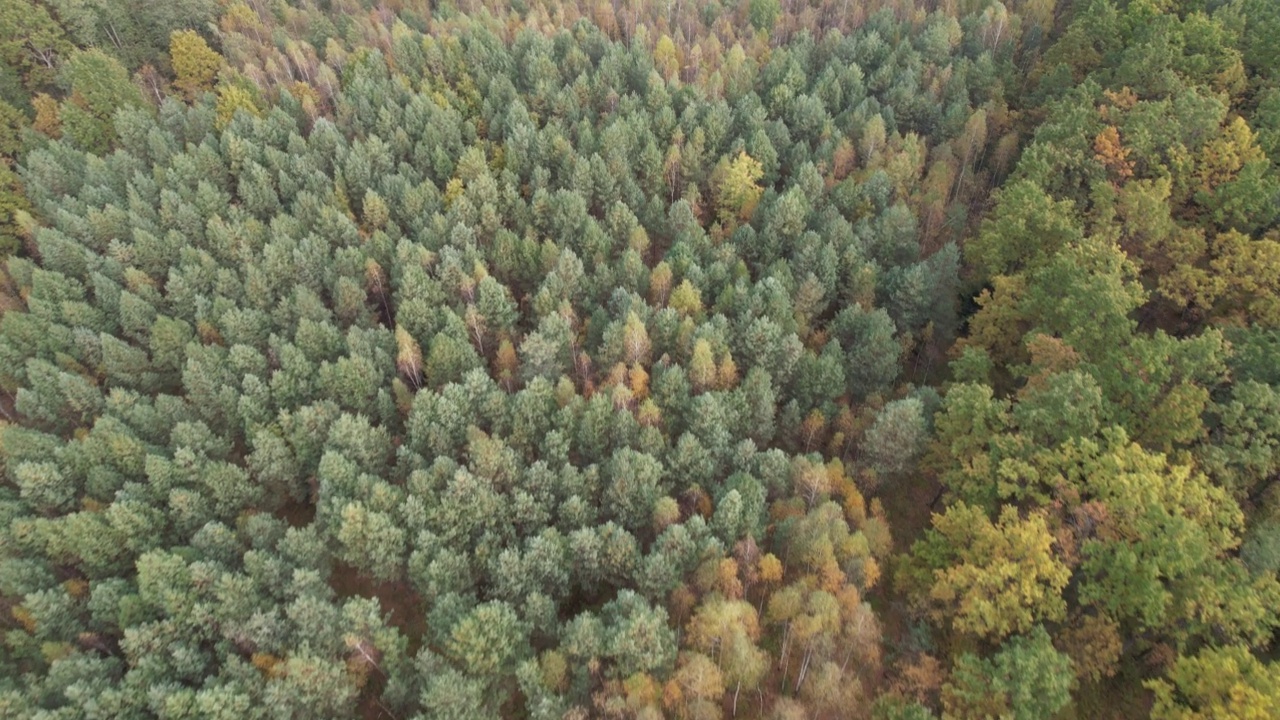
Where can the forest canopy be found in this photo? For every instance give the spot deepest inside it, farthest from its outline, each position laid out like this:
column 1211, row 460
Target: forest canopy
column 808, row 359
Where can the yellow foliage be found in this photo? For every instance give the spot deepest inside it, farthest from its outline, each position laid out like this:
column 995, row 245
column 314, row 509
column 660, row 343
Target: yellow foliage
column 666, row 512
column 727, row 581
column 770, row 569
column 727, row 374
column 1112, row 153
column 76, row 587
column 659, row 283
column 686, row 299
column 736, row 187
column 194, row 62
column 870, row 572
column 54, row 651
column 48, row 118
column 1226, row 155
column 375, row 210
column 239, row 17
column 555, row 670
column 702, row 366
column 209, row 334
column 642, row 691
column 1007, row 577
column 268, row 664
column 452, row 191
column 408, row 356
column 638, row 380
column 666, row 58
column 998, row 326
column 24, row 618
column 649, row 414
column 855, row 506
column 232, row 98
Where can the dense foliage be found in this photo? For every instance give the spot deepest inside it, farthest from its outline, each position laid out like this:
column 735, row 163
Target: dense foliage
column 640, row 359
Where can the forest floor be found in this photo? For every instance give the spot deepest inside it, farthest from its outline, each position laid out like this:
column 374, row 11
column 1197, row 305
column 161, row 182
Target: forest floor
column 404, row 609
column 909, row 507
column 400, row 602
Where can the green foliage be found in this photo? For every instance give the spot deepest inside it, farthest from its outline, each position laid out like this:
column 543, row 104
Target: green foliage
column 33, row 41
column 99, row 85
column 1026, row 228
column 13, row 204
column 567, row 354
column 763, row 14
column 894, row 441
column 12, row 123
column 1027, row 679
column 138, row 32
column 1217, row 683
column 487, row 642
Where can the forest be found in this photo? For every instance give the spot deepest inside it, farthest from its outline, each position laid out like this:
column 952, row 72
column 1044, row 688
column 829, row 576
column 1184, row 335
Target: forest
column 568, row 359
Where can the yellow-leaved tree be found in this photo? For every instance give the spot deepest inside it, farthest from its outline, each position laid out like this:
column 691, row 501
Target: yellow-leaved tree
column 736, row 187
column 194, row 63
